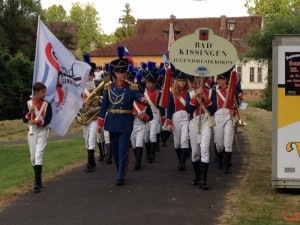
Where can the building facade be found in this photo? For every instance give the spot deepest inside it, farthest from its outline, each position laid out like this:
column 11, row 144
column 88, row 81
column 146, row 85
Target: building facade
column 151, row 40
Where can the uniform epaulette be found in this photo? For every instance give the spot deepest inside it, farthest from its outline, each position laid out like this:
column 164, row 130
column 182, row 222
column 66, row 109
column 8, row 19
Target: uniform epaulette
column 133, row 87
column 107, row 86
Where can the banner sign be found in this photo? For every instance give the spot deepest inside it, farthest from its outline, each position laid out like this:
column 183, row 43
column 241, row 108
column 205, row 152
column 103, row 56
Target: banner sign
column 292, row 73
column 203, row 53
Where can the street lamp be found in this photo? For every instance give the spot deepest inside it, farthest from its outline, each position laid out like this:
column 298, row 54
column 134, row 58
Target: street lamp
column 230, row 27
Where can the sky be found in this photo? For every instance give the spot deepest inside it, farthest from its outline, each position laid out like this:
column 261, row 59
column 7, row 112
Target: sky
column 110, row 10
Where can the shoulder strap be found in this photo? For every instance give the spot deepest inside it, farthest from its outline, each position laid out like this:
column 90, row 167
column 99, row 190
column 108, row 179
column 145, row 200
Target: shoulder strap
column 180, row 98
column 220, row 94
column 150, row 102
column 136, row 107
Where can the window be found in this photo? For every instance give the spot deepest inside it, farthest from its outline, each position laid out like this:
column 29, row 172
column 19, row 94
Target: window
column 239, row 72
column 259, row 74
column 251, row 74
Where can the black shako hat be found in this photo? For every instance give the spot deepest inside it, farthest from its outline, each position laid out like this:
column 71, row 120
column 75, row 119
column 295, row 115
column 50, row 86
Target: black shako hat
column 179, row 74
column 120, row 64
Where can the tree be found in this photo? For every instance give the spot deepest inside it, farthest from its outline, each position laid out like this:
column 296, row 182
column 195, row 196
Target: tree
column 280, row 16
column 271, row 8
column 18, row 22
column 55, row 14
column 15, row 84
column 128, row 23
column 88, row 27
column 261, row 45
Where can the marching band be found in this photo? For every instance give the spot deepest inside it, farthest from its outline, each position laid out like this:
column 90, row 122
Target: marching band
column 131, row 116
column 193, row 115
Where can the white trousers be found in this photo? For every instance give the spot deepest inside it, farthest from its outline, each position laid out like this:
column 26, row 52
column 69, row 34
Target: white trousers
column 138, row 133
column 37, row 143
column 154, row 129
column 224, row 130
column 90, row 135
column 180, row 121
column 200, row 142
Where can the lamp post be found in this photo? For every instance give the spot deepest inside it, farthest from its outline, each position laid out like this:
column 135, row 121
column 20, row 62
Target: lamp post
column 230, row 27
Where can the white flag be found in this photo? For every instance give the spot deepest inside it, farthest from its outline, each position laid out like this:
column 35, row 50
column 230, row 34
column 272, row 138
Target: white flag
column 65, row 78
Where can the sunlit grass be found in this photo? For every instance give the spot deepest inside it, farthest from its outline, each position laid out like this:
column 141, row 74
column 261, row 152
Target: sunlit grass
column 256, row 201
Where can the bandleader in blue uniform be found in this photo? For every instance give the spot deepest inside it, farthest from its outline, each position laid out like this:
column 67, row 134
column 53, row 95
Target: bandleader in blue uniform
column 116, row 114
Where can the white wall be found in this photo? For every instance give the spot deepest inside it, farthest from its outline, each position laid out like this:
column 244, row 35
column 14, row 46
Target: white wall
column 245, row 75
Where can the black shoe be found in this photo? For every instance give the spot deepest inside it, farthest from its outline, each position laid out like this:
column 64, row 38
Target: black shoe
column 100, row 158
column 204, row 187
column 120, row 182
column 227, row 170
column 195, row 181
column 108, row 161
column 37, row 188
column 89, row 168
column 137, row 167
column 181, row 167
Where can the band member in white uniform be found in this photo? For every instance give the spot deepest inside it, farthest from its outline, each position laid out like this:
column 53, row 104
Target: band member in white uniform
column 153, row 97
column 224, row 129
column 37, row 115
column 200, row 102
column 90, row 130
column 142, row 115
column 178, row 118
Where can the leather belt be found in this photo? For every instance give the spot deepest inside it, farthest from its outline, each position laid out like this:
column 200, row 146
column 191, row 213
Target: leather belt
column 119, row 111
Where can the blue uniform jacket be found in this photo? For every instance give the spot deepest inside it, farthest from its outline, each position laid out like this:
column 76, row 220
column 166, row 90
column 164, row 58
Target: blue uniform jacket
column 119, row 98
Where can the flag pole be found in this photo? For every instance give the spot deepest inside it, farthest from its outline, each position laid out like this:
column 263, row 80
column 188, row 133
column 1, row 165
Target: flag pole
column 200, row 106
column 36, row 52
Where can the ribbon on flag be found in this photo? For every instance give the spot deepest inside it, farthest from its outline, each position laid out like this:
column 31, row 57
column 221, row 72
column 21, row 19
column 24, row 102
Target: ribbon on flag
column 230, row 97
column 64, row 76
column 129, row 57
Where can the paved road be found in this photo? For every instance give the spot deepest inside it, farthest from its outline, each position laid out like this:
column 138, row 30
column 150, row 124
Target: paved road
column 158, row 194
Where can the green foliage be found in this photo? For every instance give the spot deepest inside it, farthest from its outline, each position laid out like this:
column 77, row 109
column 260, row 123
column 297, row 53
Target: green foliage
column 270, row 9
column 88, row 26
column 260, row 43
column 18, row 21
column 56, row 13
column 128, row 23
column 15, row 84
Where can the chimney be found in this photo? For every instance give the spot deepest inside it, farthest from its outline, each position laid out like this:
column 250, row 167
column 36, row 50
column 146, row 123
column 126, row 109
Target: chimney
column 93, row 45
column 223, row 22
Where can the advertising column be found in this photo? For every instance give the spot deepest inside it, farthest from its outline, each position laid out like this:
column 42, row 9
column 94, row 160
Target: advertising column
column 286, row 112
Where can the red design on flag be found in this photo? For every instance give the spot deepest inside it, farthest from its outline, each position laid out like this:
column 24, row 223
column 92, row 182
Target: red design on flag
column 129, row 57
column 203, row 35
column 166, row 89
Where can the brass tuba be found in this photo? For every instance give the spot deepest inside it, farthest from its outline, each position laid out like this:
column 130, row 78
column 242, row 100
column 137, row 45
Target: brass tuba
column 88, row 112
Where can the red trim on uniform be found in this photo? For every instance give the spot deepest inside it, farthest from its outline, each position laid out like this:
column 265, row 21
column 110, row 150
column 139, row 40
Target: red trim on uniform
column 169, row 122
column 207, row 103
column 100, row 121
column 145, row 118
column 194, row 102
column 163, row 119
column 40, row 122
column 120, row 86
